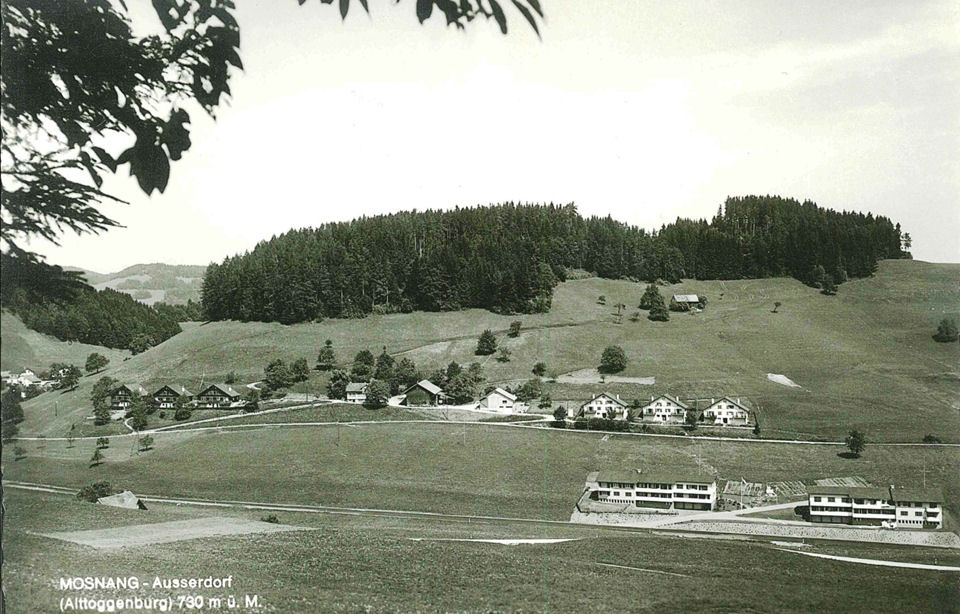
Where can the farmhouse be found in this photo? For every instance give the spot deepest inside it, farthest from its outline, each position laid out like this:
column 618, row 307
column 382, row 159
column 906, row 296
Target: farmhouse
column 727, row 412
column 424, row 392
column 654, row 489
column 664, row 408
column 684, row 302
column 603, row 406
column 166, row 397
column 499, row 400
column 26, row 379
column 912, row 508
column 124, row 394
column 217, row 396
column 357, row 392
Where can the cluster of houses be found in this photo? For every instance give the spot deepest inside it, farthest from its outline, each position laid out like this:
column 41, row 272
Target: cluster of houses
column 25, row 379
column 213, row 396
column 664, row 409
column 427, row 394
column 891, row 507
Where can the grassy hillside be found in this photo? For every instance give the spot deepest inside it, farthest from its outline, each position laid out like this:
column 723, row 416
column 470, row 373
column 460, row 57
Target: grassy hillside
column 864, row 358
column 363, row 563
column 23, row 348
column 450, row 468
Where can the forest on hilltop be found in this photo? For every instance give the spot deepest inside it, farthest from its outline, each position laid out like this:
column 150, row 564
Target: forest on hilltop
column 508, row 258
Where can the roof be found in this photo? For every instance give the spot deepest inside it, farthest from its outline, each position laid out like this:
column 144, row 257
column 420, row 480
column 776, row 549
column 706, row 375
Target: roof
column 918, row 495
column 426, row 385
column 686, row 298
column 739, row 404
column 357, row 386
column 181, row 390
column 653, row 476
column 609, row 396
column 134, row 388
column 224, row 388
column 125, row 499
column 669, row 398
column 504, row 393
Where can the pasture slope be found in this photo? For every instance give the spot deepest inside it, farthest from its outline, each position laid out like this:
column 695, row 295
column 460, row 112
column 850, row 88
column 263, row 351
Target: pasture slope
column 351, row 563
column 22, row 348
column 863, row 358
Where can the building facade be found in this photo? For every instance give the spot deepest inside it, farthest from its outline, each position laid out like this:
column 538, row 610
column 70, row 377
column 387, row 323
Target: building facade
column 357, row 392
column 217, row 396
column 727, row 412
column 664, row 409
column 603, row 406
column 124, row 394
column 167, row 396
column 423, row 393
column 654, row 489
column 499, row 400
column 887, row 507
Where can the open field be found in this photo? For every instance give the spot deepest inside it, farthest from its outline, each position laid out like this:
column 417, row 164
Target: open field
column 352, row 563
column 861, row 357
column 468, row 468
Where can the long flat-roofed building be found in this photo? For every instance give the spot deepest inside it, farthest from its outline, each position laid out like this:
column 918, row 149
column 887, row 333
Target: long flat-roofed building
column 867, row 505
column 654, row 489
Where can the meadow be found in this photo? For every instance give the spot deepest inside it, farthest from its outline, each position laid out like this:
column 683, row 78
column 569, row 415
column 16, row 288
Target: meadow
column 864, row 358
column 465, row 468
column 368, row 563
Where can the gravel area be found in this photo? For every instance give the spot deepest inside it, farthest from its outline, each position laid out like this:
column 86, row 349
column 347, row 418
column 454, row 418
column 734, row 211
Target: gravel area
column 940, row 539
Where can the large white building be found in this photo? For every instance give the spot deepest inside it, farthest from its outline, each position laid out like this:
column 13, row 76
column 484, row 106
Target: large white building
column 654, row 489
column 727, row 412
column 912, row 508
column 664, row 409
column 602, row 406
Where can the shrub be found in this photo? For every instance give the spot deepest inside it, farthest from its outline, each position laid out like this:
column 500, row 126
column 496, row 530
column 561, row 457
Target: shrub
column 503, row 355
column 183, row 413
column 946, row 331
column 931, row 439
column 95, row 491
column 272, row 518
column 515, row 328
column 486, row 344
column 540, row 369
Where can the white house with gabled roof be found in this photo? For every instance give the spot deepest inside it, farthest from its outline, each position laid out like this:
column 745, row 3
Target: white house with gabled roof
column 603, row 405
column 357, row 392
column 499, row 400
column 664, row 409
column 727, row 412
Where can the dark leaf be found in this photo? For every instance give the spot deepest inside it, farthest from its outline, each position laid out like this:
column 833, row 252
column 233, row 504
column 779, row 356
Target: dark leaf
column 363, row 3
column 164, row 10
column 499, row 16
column 528, row 16
column 536, row 6
column 105, row 158
column 424, row 9
column 344, row 7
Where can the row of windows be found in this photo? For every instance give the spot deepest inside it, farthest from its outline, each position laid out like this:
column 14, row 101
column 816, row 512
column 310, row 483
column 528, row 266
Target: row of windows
column 870, row 502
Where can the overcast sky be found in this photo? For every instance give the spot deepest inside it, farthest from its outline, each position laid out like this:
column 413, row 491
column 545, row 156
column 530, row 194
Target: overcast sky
column 642, row 110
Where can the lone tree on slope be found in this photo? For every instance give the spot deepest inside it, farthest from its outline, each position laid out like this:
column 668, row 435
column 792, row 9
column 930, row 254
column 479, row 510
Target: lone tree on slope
column 486, row 344
column 613, row 360
column 946, row 331
column 856, row 442
column 96, row 362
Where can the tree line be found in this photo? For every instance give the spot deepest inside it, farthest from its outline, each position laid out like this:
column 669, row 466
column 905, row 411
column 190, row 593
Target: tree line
column 508, row 258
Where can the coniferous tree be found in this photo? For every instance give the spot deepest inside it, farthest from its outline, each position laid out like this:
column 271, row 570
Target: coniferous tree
column 486, row 344
column 327, row 357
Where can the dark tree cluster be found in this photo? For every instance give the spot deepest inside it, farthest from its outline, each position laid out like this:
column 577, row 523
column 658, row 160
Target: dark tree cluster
column 508, row 258
column 52, row 301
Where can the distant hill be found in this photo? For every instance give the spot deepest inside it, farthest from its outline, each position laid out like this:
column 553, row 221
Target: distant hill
column 151, row 283
column 864, row 358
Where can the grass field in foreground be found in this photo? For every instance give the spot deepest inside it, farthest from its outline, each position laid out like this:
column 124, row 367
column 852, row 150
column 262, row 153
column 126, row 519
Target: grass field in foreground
column 463, row 468
column 864, row 358
column 355, row 564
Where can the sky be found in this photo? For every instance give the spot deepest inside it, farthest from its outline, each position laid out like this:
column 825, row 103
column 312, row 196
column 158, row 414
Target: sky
column 644, row 111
